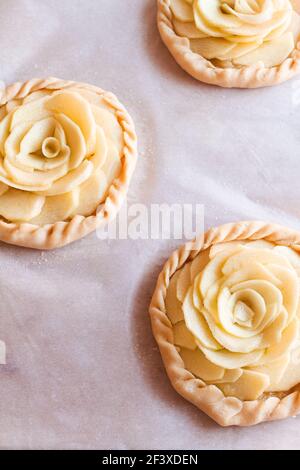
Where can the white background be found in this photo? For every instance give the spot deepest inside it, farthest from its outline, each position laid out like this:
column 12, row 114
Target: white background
column 82, row 367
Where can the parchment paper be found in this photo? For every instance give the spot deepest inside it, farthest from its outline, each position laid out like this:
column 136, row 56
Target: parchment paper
column 83, row 371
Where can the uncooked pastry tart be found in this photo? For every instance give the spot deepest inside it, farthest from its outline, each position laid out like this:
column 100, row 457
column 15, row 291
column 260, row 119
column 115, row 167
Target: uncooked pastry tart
column 233, row 43
column 67, row 153
column 226, row 315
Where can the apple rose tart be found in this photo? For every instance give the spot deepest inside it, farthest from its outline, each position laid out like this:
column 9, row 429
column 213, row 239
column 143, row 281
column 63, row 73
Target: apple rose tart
column 67, row 151
column 226, row 318
column 234, row 43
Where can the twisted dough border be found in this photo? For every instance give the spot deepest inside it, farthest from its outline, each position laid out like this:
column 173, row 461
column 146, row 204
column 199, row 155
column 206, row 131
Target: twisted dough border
column 254, row 76
column 226, row 411
column 61, row 233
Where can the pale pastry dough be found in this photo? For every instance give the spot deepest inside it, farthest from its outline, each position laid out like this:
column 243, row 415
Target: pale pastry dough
column 242, row 43
column 62, row 147
column 228, row 312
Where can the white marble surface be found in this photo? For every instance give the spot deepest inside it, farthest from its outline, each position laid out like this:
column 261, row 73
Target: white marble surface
column 82, row 368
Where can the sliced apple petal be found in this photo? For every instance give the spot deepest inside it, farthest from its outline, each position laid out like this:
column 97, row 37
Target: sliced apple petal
column 74, row 139
column 199, row 263
column 211, row 48
column 182, row 10
column 240, row 50
column 36, row 95
column 291, row 376
column 3, row 188
column 250, row 386
column 173, row 306
column 230, row 376
column 4, row 178
column 78, row 110
column 33, row 140
column 230, row 342
column 231, row 360
column 20, row 206
column 275, row 371
column 292, row 255
column 260, row 244
column 4, row 131
column 196, row 323
column 213, row 270
column 288, row 339
column 184, row 282
column 31, row 112
column 59, row 134
column 197, row 363
column 187, row 30
column 35, row 162
column 216, row 249
column 183, row 337
column 92, row 193
column 108, row 121
column 13, row 141
column 71, row 180
column 271, row 53
column 112, row 165
column 57, row 208
column 101, row 149
column 34, row 178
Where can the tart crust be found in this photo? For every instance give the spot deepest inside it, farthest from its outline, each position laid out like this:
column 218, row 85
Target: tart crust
column 255, row 76
column 61, row 233
column 226, row 411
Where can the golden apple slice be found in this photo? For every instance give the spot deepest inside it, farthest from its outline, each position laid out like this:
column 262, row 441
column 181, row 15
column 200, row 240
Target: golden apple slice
column 230, row 376
column 101, row 149
column 108, row 121
column 78, row 110
column 4, row 131
column 3, row 188
column 196, row 323
column 230, row 360
column 74, row 139
column 173, row 306
column 275, row 370
column 34, row 138
column 294, row 26
column 197, row 363
column 92, row 193
column 71, row 180
column 20, row 206
column 250, row 386
column 240, row 50
column 211, row 48
column 184, row 282
column 291, row 376
column 187, row 30
column 271, row 53
column 199, row 263
column 36, row 95
column 57, row 208
column 182, row 10
column 31, row 112
column 112, row 165
column 183, row 337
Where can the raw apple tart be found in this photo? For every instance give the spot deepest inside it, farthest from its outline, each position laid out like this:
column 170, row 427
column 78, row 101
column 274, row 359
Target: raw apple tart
column 233, row 43
column 226, row 316
column 67, row 153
